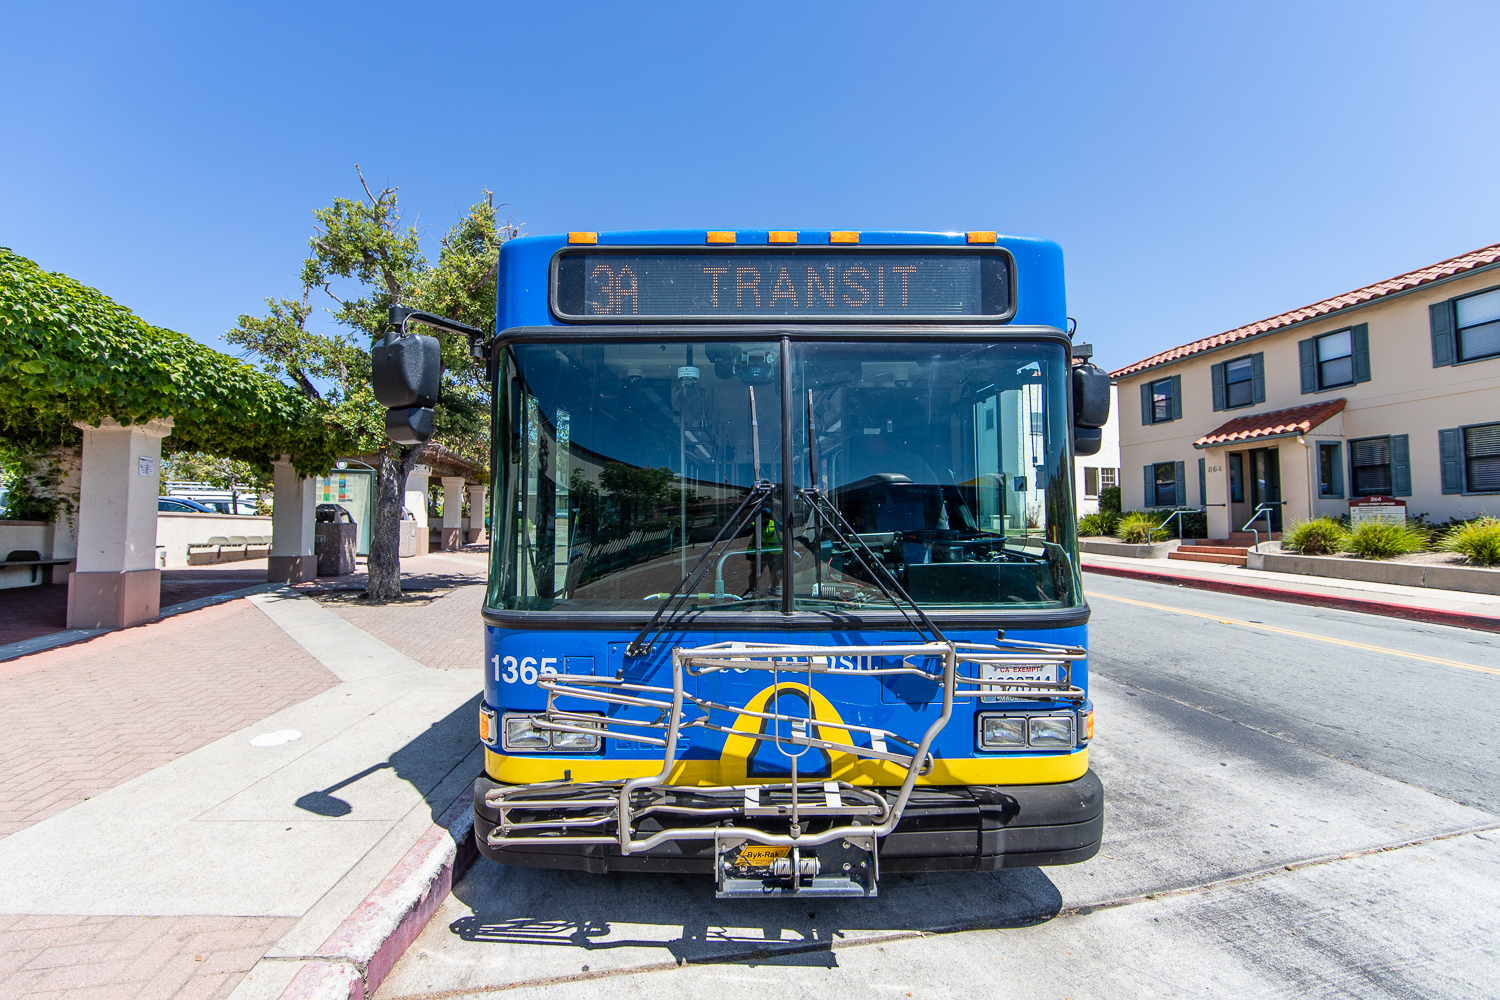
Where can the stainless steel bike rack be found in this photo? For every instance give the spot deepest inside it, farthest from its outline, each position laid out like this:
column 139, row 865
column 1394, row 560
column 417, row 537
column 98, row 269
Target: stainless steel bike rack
column 609, row 812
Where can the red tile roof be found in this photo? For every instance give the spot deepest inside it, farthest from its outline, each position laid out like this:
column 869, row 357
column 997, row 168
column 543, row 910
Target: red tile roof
column 1433, row 272
column 1272, row 424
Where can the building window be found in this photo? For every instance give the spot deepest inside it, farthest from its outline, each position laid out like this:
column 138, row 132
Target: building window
column 1238, row 382
column 1109, row 478
column 1482, row 458
column 1164, row 480
column 1237, row 477
column 1090, row 482
column 1335, row 359
column 1161, row 401
column 1330, row 470
column 1478, row 321
column 1370, row 461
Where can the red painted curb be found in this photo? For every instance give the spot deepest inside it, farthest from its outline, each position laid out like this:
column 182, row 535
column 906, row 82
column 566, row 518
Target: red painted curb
column 358, row 956
column 1432, row 616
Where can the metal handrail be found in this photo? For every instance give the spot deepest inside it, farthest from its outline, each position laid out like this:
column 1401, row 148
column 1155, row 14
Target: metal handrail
column 1178, row 515
column 1265, row 508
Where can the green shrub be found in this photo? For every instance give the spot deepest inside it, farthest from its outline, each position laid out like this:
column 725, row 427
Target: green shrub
column 1109, row 500
column 1478, row 540
column 1381, row 541
column 1102, row 523
column 1319, row 537
column 1139, row 528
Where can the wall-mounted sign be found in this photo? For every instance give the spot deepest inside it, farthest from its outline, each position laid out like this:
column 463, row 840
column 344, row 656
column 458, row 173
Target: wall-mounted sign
column 1376, row 510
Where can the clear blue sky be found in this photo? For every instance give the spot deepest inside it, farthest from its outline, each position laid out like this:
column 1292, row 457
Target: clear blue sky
column 1202, row 164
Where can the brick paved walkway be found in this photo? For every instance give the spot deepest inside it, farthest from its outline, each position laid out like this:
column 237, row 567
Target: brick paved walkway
column 125, row 958
column 82, row 718
column 79, row 719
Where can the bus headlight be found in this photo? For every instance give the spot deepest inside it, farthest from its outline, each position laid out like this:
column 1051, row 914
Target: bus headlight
column 1051, row 731
column 998, row 732
column 1023, row 730
column 521, row 734
column 577, row 742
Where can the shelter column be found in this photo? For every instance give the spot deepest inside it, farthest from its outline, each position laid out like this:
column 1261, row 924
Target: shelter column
column 476, row 513
column 293, row 558
column 453, row 510
column 416, row 504
column 117, row 583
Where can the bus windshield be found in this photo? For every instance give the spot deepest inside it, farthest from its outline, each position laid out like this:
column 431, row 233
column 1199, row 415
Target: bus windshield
column 946, row 459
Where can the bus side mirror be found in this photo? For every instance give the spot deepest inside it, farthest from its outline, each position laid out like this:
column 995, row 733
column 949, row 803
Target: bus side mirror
column 1090, row 396
column 407, row 372
column 1090, row 408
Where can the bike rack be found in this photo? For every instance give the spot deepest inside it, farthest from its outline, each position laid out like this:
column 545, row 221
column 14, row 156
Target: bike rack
column 610, row 812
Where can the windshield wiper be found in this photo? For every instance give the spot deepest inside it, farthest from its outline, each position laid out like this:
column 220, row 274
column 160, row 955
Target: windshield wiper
column 679, row 601
column 829, row 514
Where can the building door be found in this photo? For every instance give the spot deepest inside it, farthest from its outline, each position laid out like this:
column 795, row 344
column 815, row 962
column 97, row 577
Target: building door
column 1239, row 495
column 1265, row 483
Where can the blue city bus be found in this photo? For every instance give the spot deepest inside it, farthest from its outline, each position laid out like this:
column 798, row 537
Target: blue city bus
column 784, row 585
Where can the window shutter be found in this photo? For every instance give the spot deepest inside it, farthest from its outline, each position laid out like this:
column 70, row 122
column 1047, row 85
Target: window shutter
column 1148, row 498
column 1258, row 376
column 1176, row 397
column 1146, row 402
column 1218, row 377
column 1400, row 466
column 1441, row 315
column 1360, row 338
column 1181, row 484
column 1202, row 483
column 1451, row 448
column 1307, row 351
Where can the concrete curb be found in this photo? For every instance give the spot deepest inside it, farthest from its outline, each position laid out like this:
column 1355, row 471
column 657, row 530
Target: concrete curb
column 1433, row 616
column 357, row 957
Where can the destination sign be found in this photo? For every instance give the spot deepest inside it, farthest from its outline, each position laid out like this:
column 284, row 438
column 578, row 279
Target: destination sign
column 784, row 285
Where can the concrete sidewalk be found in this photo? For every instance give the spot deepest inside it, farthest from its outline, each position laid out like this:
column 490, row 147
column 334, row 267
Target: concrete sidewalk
column 155, row 843
column 1446, row 607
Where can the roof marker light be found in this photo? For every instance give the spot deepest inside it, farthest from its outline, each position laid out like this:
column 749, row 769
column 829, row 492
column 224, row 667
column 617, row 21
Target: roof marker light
column 719, row 236
column 982, row 237
column 583, row 237
column 843, row 237
column 782, row 236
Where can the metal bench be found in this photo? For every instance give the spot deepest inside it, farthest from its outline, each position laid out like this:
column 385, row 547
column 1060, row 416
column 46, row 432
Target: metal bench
column 32, row 558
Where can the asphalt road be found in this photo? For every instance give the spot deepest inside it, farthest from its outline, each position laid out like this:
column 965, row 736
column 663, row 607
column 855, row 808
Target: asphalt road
column 1299, row 802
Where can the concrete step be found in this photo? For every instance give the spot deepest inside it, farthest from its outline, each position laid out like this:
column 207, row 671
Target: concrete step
column 1248, row 538
column 1188, row 555
column 1215, row 550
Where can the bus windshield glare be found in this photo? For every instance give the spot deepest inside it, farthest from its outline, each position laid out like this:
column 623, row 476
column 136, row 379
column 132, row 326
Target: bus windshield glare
column 946, row 457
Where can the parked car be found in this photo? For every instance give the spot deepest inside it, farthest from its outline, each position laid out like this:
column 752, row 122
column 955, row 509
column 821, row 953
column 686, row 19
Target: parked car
column 181, row 505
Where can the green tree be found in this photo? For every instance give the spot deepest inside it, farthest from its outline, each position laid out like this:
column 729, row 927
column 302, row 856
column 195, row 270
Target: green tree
column 364, row 241
column 229, row 474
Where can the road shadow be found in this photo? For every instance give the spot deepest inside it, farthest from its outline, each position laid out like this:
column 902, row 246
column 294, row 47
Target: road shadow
column 679, row 915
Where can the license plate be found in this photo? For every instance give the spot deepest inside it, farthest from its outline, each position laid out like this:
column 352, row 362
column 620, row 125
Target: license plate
column 1036, row 673
column 760, row 855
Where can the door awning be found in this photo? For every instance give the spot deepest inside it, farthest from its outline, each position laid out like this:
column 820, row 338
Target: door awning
column 1271, row 424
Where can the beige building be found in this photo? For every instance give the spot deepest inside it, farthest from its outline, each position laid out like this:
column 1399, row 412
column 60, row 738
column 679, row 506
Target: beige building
column 1392, row 389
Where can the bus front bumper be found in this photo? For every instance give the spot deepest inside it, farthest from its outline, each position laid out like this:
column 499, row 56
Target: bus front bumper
column 963, row 828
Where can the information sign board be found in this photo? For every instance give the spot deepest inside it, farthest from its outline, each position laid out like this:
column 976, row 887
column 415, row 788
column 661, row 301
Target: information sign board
column 1376, row 510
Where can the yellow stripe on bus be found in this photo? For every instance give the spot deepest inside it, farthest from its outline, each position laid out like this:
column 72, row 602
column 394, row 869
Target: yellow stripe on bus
column 1017, row 770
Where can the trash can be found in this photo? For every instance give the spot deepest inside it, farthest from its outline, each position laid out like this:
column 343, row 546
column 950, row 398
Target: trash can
column 408, row 547
column 336, row 539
